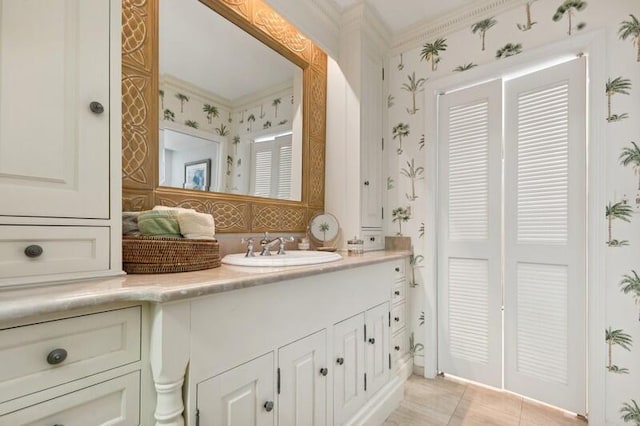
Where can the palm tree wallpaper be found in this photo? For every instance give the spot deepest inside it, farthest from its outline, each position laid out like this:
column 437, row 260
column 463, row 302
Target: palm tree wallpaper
column 431, row 52
column 630, row 29
column 630, row 412
column 482, row 27
column 617, row 338
column 630, row 156
column 630, row 284
column 530, row 22
column 211, row 111
column 617, row 86
column 520, row 30
column 509, row 49
column 618, row 211
column 413, row 173
column 182, row 98
column 400, row 131
column 569, row 8
column 414, row 86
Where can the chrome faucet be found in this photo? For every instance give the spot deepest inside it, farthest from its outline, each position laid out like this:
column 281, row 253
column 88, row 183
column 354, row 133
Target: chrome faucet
column 249, row 242
column 267, row 244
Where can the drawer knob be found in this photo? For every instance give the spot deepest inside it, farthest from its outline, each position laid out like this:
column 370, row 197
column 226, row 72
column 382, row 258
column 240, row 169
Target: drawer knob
column 397, row 319
column 366, row 183
column 372, row 238
column 372, row 341
column 324, row 372
column 397, row 348
column 96, row 107
column 397, row 269
column 33, row 251
column 340, row 361
column 56, row 356
column 268, row 406
column 397, row 292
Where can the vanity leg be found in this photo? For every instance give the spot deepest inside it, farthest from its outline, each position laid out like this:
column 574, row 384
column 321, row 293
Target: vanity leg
column 169, row 354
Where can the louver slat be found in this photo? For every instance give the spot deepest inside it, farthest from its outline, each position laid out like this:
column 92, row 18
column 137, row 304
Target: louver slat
column 469, row 172
column 543, row 165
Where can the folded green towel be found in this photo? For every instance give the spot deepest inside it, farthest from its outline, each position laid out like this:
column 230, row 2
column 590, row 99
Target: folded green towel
column 159, row 223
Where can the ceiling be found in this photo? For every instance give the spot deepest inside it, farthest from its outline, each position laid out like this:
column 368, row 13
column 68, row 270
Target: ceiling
column 398, row 15
column 200, row 47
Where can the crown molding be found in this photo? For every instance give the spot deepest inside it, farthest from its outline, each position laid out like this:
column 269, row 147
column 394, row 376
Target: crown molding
column 329, row 9
column 366, row 18
column 450, row 22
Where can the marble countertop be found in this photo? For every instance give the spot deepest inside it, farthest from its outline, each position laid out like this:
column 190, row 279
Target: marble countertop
column 159, row 288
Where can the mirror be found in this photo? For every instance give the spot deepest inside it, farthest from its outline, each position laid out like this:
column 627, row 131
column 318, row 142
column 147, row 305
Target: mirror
column 226, row 100
column 143, row 113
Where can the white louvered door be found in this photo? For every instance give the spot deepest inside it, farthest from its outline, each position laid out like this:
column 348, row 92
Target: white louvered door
column 469, row 271
column 545, row 246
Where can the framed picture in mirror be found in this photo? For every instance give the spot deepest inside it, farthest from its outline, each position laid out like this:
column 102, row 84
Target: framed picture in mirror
column 197, row 175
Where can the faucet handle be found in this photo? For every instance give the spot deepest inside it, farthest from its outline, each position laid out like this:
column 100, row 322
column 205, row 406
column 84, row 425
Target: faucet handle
column 284, row 240
column 249, row 241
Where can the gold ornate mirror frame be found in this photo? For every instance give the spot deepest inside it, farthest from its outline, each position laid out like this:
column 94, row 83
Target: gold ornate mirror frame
column 140, row 98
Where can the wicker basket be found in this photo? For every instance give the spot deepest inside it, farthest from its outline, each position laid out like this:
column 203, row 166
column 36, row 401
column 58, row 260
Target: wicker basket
column 157, row 255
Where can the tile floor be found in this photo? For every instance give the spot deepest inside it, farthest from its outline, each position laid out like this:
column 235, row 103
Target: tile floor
column 448, row 402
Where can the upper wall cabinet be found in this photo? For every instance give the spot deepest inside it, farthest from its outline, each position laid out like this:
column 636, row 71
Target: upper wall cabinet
column 60, row 142
column 54, row 108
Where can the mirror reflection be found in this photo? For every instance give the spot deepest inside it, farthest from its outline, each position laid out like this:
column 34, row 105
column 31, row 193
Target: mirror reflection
column 230, row 107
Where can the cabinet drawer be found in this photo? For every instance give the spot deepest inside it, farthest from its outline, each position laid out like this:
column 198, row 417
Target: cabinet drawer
column 93, row 343
column 398, row 291
column 63, row 249
column 399, row 346
column 397, row 317
column 373, row 240
column 114, row 403
column 398, row 270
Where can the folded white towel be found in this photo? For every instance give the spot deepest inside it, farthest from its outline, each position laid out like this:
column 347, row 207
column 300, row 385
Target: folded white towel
column 196, row 226
column 178, row 209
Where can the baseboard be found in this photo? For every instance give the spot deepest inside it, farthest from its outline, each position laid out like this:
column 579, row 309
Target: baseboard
column 387, row 399
column 418, row 370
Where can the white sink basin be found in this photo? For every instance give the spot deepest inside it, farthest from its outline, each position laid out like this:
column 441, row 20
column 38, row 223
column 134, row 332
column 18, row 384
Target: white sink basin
column 291, row 258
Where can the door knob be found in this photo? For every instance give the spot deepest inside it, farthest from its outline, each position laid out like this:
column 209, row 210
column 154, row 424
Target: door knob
column 96, row 107
column 324, row 372
column 340, row 361
column 372, row 340
column 56, row 356
column 268, row 406
column 33, row 251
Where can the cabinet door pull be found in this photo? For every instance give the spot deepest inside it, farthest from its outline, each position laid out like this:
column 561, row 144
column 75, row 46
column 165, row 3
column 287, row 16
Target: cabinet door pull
column 268, row 406
column 324, row 372
column 372, row 341
column 33, row 251
column 366, row 183
column 396, row 319
column 96, row 107
column 340, row 361
column 397, row 292
column 397, row 348
column 397, row 269
column 56, row 356
column 372, row 239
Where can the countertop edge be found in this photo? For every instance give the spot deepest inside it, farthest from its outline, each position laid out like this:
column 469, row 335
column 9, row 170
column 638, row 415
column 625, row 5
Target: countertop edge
column 16, row 304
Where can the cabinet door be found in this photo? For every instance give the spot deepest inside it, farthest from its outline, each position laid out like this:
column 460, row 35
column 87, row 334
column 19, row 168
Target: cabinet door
column 371, row 141
column 54, row 151
column 377, row 353
column 242, row 396
column 348, row 381
column 303, row 382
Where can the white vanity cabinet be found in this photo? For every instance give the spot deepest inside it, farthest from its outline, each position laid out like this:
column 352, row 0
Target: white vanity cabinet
column 59, row 139
column 85, row 369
